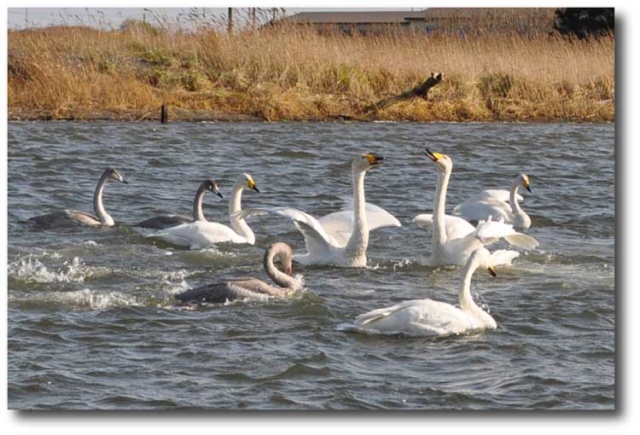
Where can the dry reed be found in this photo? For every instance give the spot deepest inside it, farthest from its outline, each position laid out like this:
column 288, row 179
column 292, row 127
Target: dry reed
column 297, row 74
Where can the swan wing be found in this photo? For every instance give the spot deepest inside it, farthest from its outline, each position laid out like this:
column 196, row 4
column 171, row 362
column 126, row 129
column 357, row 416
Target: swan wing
column 455, row 226
column 340, row 224
column 490, row 231
column 198, row 235
column 482, row 210
column 315, row 236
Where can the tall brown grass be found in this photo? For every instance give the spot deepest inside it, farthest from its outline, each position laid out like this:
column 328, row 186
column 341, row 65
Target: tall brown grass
column 287, row 73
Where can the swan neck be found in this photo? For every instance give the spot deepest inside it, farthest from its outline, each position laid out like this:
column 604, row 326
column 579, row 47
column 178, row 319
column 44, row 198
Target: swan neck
column 198, row 215
column 513, row 202
column 466, row 301
column 276, row 275
column 439, row 235
column 359, row 239
column 235, row 206
column 98, row 207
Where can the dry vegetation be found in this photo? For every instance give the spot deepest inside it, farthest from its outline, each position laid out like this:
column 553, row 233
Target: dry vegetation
column 296, row 74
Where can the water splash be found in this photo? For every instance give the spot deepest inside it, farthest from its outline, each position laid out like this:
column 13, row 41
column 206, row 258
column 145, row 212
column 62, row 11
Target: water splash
column 31, row 269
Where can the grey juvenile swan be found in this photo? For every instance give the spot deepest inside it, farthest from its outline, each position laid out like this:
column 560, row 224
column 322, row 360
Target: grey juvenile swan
column 170, row 220
column 247, row 287
column 71, row 217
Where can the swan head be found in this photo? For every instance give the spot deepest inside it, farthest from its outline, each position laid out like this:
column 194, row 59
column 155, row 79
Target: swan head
column 442, row 161
column 282, row 252
column 366, row 161
column 523, row 179
column 481, row 257
column 113, row 174
column 246, row 180
column 212, row 186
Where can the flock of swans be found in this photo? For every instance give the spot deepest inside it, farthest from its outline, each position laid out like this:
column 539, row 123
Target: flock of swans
column 341, row 239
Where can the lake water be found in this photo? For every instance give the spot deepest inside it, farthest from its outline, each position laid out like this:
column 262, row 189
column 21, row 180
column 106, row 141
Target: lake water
column 93, row 323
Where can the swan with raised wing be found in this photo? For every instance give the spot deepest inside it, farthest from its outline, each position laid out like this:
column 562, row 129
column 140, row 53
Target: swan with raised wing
column 250, row 288
column 490, row 204
column 340, row 238
column 76, row 217
column 426, row 317
column 453, row 239
column 202, row 233
column 170, row 220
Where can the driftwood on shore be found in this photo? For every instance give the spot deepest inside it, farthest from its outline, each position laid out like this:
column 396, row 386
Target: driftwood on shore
column 419, row 91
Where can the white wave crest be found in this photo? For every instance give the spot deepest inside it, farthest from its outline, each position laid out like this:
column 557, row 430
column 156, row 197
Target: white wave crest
column 33, row 270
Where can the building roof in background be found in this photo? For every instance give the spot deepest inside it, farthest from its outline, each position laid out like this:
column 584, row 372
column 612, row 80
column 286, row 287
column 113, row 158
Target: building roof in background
column 380, row 17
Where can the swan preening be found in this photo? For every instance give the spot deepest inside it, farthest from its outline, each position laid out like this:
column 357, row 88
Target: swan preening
column 426, row 317
column 453, row 238
column 340, row 238
column 498, row 205
column 202, row 233
column 76, row 217
column 171, row 220
column 250, row 288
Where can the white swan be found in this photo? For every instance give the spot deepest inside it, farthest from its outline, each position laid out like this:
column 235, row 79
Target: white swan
column 490, row 204
column 202, row 233
column 426, row 317
column 453, row 239
column 170, row 220
column 76, row 217
column 250, row 288
column 340, row 238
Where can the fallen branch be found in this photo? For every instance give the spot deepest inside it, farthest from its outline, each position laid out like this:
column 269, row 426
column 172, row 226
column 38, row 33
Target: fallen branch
column 418, row 91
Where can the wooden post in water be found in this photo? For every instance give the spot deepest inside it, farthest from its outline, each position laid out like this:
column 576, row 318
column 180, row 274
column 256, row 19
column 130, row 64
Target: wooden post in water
column 164, row 114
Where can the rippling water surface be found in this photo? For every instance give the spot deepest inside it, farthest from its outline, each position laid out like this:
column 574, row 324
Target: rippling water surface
column 92, row 319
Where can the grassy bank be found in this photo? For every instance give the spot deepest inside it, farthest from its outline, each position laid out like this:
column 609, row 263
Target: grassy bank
column 296, row 74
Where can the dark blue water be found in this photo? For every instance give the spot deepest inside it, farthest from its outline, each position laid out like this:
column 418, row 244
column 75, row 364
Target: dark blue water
column 93, row 324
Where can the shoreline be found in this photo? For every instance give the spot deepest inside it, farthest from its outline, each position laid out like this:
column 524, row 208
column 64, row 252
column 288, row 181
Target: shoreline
column 195, row 116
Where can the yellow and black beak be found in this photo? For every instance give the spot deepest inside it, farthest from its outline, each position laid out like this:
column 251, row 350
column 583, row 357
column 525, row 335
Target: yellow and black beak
column 252, row 185
column 491, row 271
column 435, row 156
column 526, row 186
column 373, row 159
